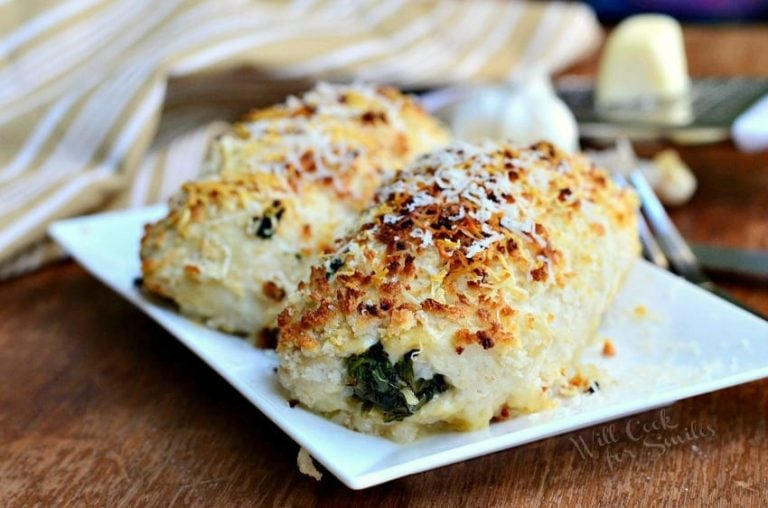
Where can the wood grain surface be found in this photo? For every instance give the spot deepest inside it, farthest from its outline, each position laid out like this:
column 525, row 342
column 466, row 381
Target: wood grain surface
column 99, row 406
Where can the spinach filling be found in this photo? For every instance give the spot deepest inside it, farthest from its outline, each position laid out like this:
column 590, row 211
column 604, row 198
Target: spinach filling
column 265, row 227
column 333, row 267
column 378, row 383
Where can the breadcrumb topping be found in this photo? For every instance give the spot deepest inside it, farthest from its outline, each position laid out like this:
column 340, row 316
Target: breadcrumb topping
column 332, row 135
column 481, row 212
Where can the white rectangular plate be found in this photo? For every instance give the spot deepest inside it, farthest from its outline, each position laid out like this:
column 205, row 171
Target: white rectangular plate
column 687, row 343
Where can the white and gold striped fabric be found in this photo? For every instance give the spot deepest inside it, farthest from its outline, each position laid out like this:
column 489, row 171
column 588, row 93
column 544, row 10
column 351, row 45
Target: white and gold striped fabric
column 110, row 103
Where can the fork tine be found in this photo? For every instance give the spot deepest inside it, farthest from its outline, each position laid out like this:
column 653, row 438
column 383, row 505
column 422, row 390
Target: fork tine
column 680, row 256
column 651, row 250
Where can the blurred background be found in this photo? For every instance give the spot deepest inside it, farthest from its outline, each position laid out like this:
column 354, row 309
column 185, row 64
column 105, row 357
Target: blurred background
column 694, row 10
column 109, row 104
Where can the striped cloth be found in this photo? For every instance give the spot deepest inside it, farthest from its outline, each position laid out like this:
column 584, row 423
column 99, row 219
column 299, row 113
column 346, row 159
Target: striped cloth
column 110, row 103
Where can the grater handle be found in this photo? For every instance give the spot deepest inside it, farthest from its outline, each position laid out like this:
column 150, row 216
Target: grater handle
column 750, row 130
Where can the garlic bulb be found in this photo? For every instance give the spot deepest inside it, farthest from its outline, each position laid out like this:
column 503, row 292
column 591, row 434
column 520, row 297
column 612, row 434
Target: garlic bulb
column 523, row 113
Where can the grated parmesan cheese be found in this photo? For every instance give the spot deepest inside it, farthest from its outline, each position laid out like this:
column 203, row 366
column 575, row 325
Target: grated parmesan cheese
column 391, row 218
column 425, row 236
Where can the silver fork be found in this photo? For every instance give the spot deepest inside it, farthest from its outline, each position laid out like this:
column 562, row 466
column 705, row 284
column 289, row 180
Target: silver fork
column 667, row 248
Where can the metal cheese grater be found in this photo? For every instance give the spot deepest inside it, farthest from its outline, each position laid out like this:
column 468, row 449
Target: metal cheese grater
column 705, row 116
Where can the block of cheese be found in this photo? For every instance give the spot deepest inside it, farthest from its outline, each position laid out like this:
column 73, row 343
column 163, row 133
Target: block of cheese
column 643, row 62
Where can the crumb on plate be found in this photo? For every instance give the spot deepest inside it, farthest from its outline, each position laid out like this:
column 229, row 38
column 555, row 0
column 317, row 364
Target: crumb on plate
column 608, row 348
column 307, row 466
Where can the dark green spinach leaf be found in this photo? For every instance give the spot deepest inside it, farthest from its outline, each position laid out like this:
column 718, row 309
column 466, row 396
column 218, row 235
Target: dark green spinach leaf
column 266, row 226
column 333, row 267
column 377, row 383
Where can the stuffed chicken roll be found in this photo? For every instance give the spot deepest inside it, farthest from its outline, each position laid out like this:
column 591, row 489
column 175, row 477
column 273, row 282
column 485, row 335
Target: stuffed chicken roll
column 466, row 292
column 275, row 193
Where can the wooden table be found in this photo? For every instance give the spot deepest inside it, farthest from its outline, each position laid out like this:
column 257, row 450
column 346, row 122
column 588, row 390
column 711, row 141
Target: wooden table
column 100, row 406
